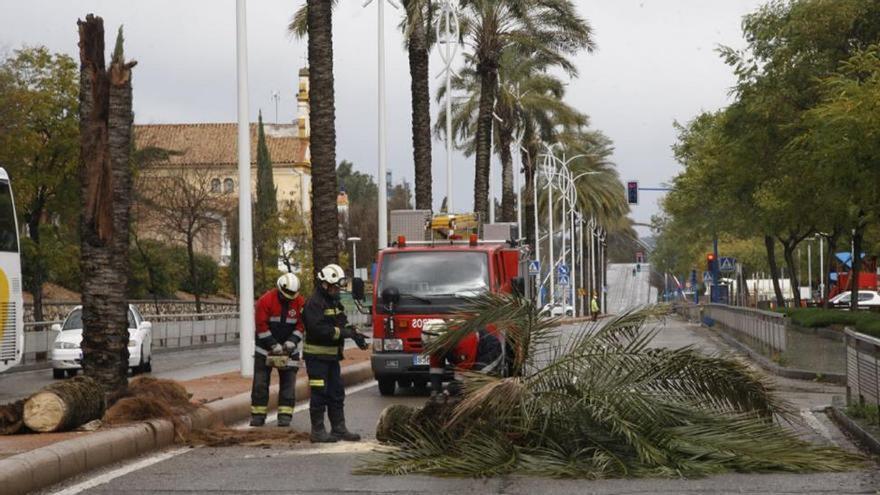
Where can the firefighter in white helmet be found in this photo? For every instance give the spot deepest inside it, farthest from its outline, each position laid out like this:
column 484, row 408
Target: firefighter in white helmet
column 327, row 328
column 279, row 331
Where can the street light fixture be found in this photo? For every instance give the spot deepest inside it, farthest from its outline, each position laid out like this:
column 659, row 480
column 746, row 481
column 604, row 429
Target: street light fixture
column 354, row 254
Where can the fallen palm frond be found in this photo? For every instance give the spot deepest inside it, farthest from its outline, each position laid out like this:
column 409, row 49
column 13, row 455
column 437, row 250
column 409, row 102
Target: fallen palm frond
column 593, row 403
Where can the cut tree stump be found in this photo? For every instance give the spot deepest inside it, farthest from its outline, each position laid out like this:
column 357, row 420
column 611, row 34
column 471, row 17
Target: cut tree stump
column 64, row 405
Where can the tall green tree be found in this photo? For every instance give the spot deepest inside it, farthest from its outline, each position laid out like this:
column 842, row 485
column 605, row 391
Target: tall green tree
column 106, row 117
column 39, row 147
column 551, row 28
column 266, row 221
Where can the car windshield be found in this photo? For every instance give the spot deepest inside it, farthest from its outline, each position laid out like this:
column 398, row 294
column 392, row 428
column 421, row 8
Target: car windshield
column 435, row 273
column 74, row 320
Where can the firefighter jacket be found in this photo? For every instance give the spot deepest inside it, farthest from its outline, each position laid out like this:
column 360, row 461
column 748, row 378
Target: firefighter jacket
column 325, row 319
column 479, row 351
column 278, row 320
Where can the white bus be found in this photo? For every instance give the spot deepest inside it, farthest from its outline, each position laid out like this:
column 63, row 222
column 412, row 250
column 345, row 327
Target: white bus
column 11, row 303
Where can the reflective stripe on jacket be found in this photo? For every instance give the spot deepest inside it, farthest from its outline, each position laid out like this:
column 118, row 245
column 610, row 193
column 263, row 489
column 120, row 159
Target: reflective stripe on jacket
column 277, row 320
column 324, row 318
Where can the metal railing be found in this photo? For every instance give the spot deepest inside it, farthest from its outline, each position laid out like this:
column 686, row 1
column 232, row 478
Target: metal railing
column 862, row 369
column 169, row 331
column 687, row 310
column 763, row 327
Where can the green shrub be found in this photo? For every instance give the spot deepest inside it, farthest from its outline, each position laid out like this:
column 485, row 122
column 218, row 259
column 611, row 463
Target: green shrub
column 862, row 321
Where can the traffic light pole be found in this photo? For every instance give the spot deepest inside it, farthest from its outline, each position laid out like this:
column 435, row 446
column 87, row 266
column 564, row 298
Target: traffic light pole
column 713, row 293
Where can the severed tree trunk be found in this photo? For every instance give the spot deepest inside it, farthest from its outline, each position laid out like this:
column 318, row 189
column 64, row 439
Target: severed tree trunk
column 64, row 405
column 325, row 230
column 11, row 416
column 421, row 110
column 105, row 173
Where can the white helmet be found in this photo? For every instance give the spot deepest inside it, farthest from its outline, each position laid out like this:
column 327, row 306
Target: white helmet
column 332, row 274
column 288, row 285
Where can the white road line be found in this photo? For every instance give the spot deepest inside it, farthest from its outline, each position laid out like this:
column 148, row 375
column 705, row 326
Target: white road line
column 122, row 471
column 164, row 456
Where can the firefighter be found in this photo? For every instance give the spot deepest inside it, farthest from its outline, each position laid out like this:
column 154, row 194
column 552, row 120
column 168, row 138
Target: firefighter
column 327, row 328
column 279, row 330
column 480, row 351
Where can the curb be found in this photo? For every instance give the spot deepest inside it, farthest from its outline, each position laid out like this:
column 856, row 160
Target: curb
column 768, row 365
column 45, row 466
column 862, row 436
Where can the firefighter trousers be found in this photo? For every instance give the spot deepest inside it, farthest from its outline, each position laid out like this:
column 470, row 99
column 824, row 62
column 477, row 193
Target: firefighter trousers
column 325, row 382
column 260, row 387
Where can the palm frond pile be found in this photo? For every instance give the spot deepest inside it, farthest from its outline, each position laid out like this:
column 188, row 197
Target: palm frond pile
column 596, row 403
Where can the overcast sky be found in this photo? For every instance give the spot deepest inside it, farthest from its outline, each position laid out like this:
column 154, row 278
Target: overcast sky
column 656, row 63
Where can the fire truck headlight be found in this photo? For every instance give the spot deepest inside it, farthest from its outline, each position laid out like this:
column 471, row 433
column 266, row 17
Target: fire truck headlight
column 392, row 344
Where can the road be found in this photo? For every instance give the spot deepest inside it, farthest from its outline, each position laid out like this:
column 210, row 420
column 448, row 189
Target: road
column 626, row 290
column 327, row 469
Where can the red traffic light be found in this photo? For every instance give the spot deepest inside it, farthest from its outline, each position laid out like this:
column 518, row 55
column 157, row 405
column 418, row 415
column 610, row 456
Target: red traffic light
column 710, row 257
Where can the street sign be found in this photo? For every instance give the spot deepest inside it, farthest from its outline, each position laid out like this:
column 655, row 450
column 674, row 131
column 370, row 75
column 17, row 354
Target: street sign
column 707, row 277
column 563, row 279
column 534, row 267
column 562, row 270
column 727, row 264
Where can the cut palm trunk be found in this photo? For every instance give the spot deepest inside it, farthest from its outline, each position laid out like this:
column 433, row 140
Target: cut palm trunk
column 65, row 405
column 11, row 417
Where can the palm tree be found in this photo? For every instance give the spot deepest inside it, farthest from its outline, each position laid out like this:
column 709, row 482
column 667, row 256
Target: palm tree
column 551, row 28
column 598, row 403
column 417, row 27
column 325, row 231
column 105, row 132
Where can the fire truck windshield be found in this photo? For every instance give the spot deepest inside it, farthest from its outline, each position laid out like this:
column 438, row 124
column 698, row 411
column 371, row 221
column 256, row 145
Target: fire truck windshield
column 434, row 274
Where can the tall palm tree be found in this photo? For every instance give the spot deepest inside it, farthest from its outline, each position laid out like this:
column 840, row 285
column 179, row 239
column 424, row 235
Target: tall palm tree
column 417, row 27
column 316, row 17
column 106, row 143
column 551, row 28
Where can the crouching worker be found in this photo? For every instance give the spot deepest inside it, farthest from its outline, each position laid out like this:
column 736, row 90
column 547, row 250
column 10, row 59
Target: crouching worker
column 480, row 351
column 327, row 328
column 279, row 330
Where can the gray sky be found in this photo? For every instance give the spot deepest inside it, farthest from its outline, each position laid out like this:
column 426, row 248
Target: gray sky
column 656, row 63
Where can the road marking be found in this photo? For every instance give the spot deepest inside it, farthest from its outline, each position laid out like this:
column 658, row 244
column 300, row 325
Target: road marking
column 332, row 448
column 814, row 423
column 122, row 471
column 164, row 456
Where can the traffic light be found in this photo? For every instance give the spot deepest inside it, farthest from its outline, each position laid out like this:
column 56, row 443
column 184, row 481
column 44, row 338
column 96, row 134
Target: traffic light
column 710, row 263
column 632, row 192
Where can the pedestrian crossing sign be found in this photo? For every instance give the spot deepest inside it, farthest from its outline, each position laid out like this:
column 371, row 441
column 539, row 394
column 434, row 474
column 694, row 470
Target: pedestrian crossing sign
column 727, row 264
column 563, row 279
column 534, row 267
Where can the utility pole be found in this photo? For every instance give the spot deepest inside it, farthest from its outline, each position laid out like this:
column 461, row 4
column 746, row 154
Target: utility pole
column 245, row 233
column 447, row 31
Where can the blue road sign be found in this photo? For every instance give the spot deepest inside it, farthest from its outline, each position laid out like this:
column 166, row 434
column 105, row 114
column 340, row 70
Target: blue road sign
column 562, row 269
column 727, row 264
column 563, row 279
column 707, row 277
column 534, row 267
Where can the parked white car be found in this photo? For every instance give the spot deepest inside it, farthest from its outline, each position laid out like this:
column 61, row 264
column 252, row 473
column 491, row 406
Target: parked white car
column 867, row 298
column 66, row 353
column 557, row 310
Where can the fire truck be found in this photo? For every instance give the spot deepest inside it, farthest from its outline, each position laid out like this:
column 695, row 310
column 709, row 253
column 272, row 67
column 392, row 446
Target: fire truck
column 419, row 283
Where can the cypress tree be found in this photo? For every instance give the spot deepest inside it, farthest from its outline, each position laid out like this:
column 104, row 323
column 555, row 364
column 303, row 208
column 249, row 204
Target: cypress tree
column 265, row 214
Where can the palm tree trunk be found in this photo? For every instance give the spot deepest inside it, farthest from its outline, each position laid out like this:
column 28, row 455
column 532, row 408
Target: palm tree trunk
column 527, row 197
column 858, row 235
column 770, row 246
column 105, row 128
column 488, row 82
column 325, row 230
column 421, row 114
column 508, row 197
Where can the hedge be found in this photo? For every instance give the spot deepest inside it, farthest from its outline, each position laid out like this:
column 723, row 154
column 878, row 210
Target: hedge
column 862, row 321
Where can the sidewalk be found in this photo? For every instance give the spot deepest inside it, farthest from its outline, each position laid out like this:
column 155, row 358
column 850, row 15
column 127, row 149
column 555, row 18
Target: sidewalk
column 204, row 390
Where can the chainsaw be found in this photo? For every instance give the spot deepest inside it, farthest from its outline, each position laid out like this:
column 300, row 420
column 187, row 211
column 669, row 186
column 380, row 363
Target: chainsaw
column 281, row 361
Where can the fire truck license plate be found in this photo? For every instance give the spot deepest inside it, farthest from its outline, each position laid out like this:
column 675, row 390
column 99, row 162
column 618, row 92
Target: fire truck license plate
column 420, row 360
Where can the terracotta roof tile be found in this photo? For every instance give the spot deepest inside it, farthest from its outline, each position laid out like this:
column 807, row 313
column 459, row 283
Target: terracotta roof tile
column 216, row 144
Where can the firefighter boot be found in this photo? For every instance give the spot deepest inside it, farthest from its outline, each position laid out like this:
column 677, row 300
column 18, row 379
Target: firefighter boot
column 319, row 434
column 258, row 419
column 284, row 420
column 337, row 426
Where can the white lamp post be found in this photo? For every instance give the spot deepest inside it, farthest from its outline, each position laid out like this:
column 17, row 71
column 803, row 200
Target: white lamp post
column 354, row 255
column 246, row 251
column 447, row 31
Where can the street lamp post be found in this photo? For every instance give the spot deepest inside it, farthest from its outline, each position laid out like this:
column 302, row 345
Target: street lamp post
column 447, row 31
column 354, row 254
column 245, row 235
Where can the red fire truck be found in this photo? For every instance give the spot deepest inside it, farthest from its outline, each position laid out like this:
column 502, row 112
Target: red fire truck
column 419, row 284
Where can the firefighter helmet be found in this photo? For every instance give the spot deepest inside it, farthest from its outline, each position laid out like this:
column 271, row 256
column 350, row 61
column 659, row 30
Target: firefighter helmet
column 288, row 285
column 332, row 274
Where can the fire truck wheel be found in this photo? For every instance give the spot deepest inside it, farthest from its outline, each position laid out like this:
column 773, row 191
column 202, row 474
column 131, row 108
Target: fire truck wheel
column 387, row 386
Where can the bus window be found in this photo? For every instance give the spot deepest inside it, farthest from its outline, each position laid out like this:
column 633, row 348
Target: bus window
column 8, row 234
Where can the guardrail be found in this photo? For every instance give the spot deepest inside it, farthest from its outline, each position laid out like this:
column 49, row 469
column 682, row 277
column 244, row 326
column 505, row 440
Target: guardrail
column 689, row 311
column 169, row 331
column 763, row 327
column 862, row 368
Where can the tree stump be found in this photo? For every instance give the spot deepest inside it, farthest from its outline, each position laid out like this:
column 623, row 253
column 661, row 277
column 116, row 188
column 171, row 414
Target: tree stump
column 64, row 405
column 393, row 420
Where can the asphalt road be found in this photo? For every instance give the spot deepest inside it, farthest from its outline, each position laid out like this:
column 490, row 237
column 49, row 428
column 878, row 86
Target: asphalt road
column 627, row 291
column 327, row 469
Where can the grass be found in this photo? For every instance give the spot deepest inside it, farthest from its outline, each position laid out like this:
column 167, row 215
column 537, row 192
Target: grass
column 868, row 412
column 863, row 321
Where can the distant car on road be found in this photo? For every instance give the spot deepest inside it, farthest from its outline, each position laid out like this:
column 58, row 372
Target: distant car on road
column 867, row 299
column 66, row 353
column 557, row 310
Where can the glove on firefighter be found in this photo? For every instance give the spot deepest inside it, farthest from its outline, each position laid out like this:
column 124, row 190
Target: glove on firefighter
column 290, row 346
column 361, row 341
column 276, row 349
